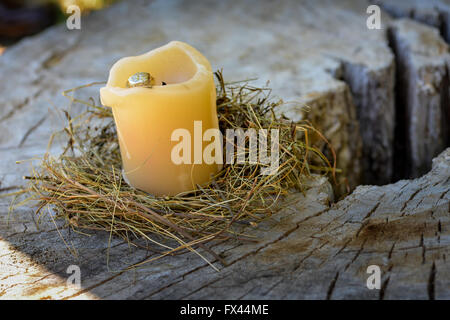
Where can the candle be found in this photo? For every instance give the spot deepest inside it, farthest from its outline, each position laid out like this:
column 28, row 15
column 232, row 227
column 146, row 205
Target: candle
column 164, row 108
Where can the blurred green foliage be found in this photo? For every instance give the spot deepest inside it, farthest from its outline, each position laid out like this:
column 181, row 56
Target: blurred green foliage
column 85, row 5
column 22, row 18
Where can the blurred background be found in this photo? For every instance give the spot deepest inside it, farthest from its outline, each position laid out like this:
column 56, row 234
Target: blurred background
column 21, row 18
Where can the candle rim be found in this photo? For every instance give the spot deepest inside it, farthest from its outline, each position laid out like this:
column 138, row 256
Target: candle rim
column 201, row 64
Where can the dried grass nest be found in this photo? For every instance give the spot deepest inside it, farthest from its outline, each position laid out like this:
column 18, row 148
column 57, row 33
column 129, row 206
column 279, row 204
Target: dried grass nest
column 84, row 185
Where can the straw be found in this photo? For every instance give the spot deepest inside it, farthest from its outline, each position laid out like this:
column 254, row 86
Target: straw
column 84, row 185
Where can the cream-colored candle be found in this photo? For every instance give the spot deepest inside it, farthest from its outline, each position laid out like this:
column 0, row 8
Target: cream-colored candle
column 182, row 93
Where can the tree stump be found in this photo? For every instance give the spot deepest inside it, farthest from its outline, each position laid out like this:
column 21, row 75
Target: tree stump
column 316, row 53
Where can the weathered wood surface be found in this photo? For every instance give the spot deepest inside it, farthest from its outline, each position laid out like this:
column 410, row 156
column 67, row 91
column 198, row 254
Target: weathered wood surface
column 310, row 250
column 423, row 95
column 435, row 13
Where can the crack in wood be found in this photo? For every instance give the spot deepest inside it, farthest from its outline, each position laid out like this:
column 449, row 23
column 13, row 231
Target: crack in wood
column 331, row 286
column 431, row 282
column 31, row 130
column 356, row 255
